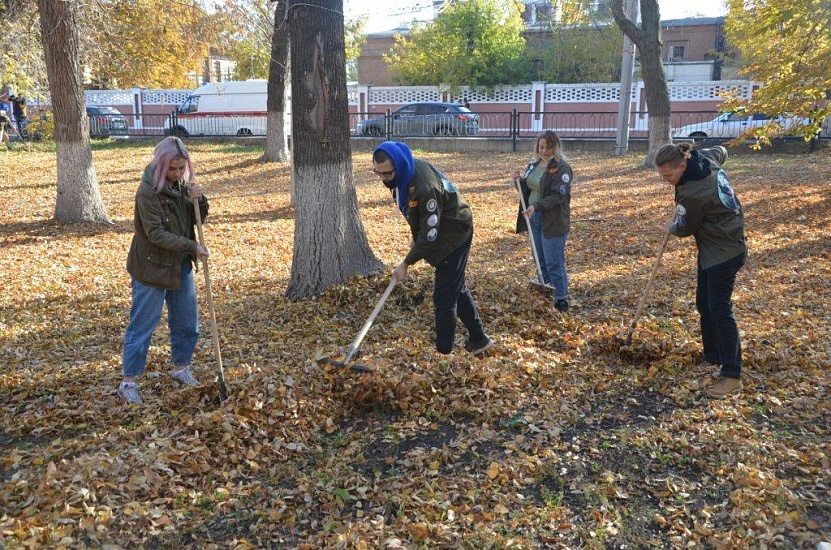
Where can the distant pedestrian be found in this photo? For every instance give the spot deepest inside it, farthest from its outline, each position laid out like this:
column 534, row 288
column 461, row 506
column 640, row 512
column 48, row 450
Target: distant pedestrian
column 441, row 225
column 5, row 125
column 547, row 188
column 708, row 209
column 160, row 263
column 19, row 112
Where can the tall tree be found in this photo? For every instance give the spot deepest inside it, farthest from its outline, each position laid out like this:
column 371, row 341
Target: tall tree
column 787, row 47
column 276, row 144
column 647, row 38
column 471, row 43
column 330, row 243
column 79, row 198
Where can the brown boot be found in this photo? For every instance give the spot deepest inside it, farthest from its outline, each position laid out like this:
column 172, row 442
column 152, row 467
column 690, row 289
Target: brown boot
column 724, row 387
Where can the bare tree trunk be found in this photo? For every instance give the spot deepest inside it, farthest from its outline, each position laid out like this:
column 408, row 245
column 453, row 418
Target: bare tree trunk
column 276, row 146
column 647, row 38
column 79, row 198
column 330, row 244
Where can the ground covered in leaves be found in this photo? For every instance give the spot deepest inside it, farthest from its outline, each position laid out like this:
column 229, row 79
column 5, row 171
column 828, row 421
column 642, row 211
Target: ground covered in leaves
column 558, row 438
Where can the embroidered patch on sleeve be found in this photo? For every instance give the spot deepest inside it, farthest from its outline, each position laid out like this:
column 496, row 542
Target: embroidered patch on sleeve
column 432, row 234
column 433, row 220
column 565, row 178
column 412, row 204
column 432, row 205
column 680, row 212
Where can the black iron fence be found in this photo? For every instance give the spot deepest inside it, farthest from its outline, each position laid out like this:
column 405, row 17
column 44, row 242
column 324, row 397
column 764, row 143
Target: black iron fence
column 508, row 124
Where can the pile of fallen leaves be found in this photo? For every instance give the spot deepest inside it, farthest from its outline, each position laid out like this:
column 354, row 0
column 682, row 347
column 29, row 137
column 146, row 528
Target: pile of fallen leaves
column 557, row 438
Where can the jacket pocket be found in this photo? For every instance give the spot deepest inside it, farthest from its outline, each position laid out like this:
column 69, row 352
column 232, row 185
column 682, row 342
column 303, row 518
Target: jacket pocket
column 160, row 257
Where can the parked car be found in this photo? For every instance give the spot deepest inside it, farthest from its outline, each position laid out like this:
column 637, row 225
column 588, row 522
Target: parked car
column 427, row 118
column 731, row 125
column 106, row 122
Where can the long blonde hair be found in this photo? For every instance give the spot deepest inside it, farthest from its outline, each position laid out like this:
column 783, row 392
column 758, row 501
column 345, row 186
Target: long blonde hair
column 554, row 141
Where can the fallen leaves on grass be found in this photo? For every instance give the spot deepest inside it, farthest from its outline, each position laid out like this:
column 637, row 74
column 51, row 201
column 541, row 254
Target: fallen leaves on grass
column 555, row 438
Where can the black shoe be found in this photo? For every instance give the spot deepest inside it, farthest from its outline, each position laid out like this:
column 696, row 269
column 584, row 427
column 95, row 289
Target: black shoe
column 480, row 346
column 561, row 305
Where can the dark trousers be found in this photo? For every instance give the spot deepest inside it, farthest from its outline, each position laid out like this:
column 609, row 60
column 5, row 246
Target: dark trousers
column 719, row 332
column 451, row 298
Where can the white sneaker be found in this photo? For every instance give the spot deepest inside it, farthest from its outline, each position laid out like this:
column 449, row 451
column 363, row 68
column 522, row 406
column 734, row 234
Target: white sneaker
column 183, row 376
column 129, row 391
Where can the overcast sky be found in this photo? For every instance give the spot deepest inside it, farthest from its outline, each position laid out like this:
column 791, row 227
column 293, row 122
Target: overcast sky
column 389, row 14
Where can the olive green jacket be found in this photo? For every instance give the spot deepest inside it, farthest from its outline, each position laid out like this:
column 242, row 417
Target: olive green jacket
column 164, row 237
column 440, row 220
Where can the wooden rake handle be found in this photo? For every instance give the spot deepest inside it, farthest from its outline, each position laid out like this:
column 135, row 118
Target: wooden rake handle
column 530, row 233
column 358, row 339
column 220, row 378
column 642, row 301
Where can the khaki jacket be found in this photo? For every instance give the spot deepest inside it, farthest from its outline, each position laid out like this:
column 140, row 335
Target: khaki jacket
column 555, row 199
column 164, row 237
column 440, row 220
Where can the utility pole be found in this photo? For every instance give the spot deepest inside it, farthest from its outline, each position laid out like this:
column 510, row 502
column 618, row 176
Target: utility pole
column 627, row 68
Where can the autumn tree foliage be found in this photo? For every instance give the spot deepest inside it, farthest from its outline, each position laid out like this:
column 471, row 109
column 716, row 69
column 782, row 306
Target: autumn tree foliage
column 330, row 244
column 78, row 197
column 647, row 38
column 786, row 46
column 471, row 43
column 247, row 28
column 149, row 43
column 22, row 68
column 585, row 52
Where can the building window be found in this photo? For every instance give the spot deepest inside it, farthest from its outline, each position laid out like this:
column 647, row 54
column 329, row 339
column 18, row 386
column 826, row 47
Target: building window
column 544, row 13
column 676, row 52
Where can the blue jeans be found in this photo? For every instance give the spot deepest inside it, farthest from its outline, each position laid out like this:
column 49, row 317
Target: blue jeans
column 451, row 298
column 535, row 225
column 555, row 264
column 719, row 332
column 182, row 320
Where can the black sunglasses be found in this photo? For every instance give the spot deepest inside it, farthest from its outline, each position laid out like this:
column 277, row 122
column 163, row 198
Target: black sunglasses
column 384, row 174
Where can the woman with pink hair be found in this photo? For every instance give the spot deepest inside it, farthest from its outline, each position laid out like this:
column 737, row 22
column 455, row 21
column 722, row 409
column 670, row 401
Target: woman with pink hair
column 160, row 263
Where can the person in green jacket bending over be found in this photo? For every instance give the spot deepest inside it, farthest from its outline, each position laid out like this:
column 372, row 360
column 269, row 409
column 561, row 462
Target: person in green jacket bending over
column 708, row 209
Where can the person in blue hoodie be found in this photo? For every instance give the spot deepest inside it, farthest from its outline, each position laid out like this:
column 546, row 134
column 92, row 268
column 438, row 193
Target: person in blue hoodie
column 441, row 224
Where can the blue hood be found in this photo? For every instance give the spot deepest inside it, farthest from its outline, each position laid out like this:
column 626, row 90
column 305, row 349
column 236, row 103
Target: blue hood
column 402, row 159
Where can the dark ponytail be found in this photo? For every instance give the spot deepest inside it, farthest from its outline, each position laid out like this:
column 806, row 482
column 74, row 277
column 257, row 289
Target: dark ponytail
column 673, row 154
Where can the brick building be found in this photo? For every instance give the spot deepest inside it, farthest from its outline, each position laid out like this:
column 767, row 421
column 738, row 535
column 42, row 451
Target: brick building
column 693, row 50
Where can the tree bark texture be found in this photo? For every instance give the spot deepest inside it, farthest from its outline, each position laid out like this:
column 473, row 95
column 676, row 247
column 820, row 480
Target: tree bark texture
column 330, row 243
column 79, row 198
column 276, row 146
column 648, row 40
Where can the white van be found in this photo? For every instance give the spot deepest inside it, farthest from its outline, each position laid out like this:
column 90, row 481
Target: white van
column 223, row 109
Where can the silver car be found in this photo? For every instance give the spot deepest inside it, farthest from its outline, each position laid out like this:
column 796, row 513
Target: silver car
column 426, row 118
